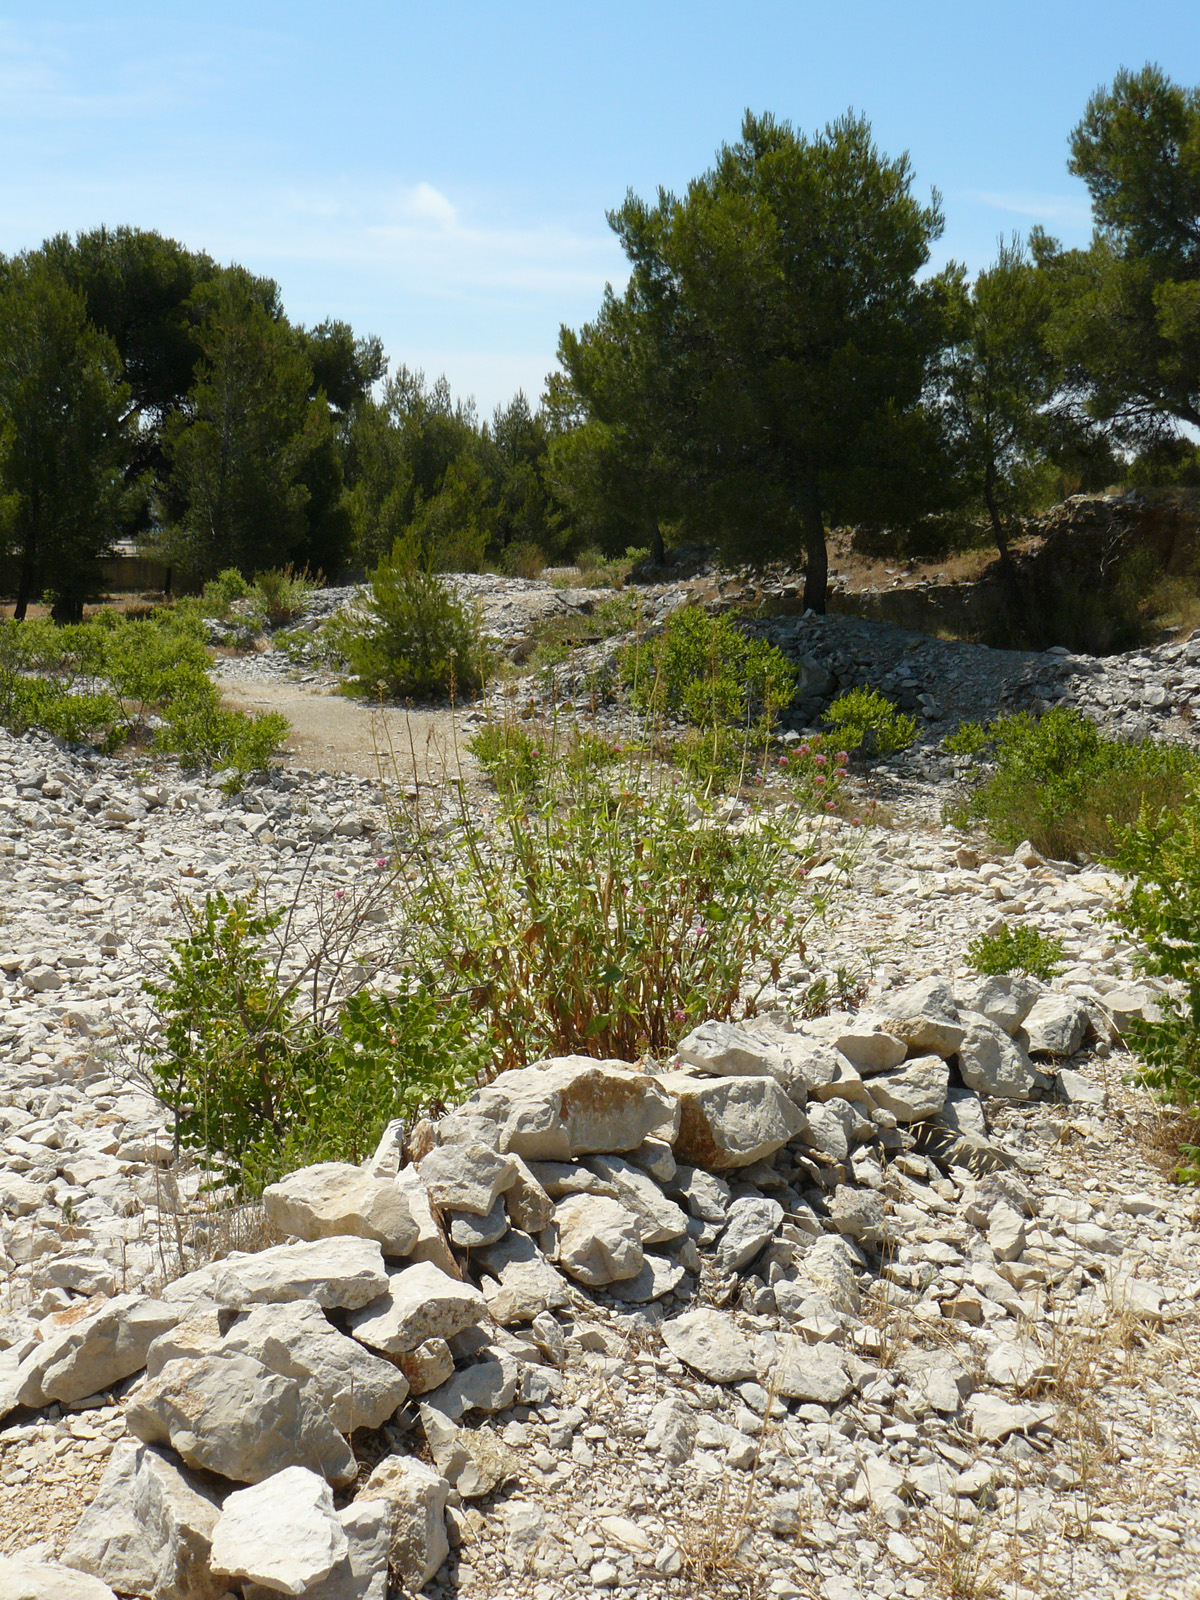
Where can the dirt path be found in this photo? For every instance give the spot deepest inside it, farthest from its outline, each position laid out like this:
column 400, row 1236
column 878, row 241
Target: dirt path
column 339, row 735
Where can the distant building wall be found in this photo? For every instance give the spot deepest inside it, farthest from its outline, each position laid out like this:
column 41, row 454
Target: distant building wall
column 129, row 572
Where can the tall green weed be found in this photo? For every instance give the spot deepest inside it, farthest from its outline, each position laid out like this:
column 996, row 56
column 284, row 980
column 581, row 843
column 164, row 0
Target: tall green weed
column 1057, row 781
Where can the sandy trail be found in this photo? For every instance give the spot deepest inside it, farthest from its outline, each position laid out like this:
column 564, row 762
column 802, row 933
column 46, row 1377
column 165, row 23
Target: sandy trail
column 339, row 735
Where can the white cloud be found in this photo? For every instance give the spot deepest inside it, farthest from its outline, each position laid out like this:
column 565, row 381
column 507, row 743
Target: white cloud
column 429, row 205
column 1065, row 210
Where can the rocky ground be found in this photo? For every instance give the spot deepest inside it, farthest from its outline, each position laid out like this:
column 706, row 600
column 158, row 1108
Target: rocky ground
column 890, row 1302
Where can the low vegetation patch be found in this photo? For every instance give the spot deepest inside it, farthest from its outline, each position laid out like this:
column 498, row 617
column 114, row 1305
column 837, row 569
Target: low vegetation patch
column 266, row 1072
column 112, row 682
column 867, row 721
column 705, row 671
column 1059, row 782
column 1016, row 949
column 410, row 637
column 600, row 907
column 1161, row 852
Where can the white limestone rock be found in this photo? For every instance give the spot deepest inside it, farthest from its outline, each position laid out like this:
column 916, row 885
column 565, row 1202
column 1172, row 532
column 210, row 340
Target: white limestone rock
column 227, row 1413
column 28, row 1578
column 599, row 1241
column 710, row 1343
column 362, row 1573
column 749, row 1227
column 723, row 1050
column 420, row 1303
column 1006, row 999
column 730, row 1122
column 658, row 1219
column 466, row 1177
column 916, row 1091
column 334, row 1198
column 798, row 1370
column 573, row 1106
column 83, row 1357
column 992, row 1063
column 149, row 1528
column 415, row 1495
column 282, row 1532
column 341, row 1271
column 924, row 1015
column 520, row 1283
column 297, row 1340
column 1056, row 1026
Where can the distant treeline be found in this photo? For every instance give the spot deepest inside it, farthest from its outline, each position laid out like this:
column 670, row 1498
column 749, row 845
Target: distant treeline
column 780, row 360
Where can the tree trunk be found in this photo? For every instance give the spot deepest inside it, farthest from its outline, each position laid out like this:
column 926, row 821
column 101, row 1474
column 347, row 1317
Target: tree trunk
column 816, row 559
column 1008, row 566
column 658, row 551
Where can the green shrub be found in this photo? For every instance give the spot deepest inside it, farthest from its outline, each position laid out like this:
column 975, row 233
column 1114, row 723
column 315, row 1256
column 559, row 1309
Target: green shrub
column 257, row 1087
column 522, row 559
column 1161, row 851
column 510, row 757
column 1020, row 949
column 603, row 911
column 281, row 594
column 968, row 739
column 101, row 683
column 411, row 637
column 704, row 670
column 866, row 717
column 1058, row 782
column 220, row 592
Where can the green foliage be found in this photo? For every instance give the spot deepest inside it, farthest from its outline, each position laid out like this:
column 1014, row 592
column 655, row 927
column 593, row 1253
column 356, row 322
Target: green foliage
column 994, row 384
column 281, row 594
column 968, row 739
column 101, row 683
column 511, row 757
column 220, row 592
column 866, row 717
column 411, row 637
column 1160, row 850
column 258, row 1086
column 238, row 454
column 65, row 441
column 766, row 362
column 1125, row 320
column 1058, row 782
column 1016, row 949
column 704, row 670
column 594, row 912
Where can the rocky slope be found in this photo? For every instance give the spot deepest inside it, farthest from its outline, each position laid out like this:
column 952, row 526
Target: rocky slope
column 887, row 1302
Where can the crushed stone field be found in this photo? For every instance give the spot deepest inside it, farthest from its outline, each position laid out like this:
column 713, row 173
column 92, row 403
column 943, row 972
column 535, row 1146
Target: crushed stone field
column 889, row 1298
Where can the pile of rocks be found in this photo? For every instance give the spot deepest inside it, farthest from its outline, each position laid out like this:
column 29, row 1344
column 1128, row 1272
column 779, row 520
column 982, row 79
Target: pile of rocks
column 306, row 1419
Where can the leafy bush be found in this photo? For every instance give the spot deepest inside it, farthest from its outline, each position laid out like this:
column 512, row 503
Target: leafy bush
column 705, row 671
column 411, row 637
column 1060, row 783
column 522, row 559
column 1020, row 949
column 220, row 593
column 281, row 594
column 257, row 1086
column 601, row 910
column 1162, row 909
column 968, row 739
column 866, row 717
column 509, row 756
column 102, row 683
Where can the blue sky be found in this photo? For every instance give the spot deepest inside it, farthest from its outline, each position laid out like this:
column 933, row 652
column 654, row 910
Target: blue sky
column 438, row 174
